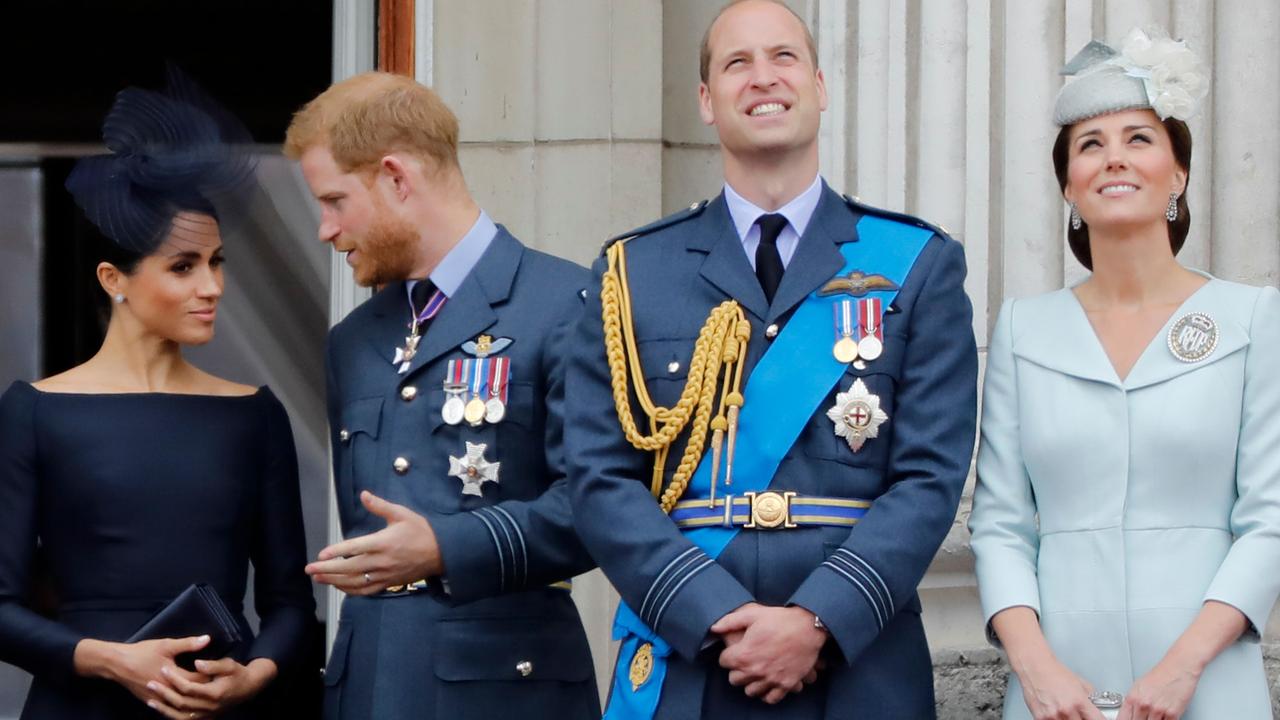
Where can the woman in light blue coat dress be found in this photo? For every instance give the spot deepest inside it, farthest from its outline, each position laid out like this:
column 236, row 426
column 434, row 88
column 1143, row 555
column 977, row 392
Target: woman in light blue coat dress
column 1126, row 522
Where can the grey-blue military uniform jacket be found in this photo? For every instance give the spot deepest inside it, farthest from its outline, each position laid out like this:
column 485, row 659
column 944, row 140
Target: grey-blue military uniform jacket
column 860, row 581
column 495, row 635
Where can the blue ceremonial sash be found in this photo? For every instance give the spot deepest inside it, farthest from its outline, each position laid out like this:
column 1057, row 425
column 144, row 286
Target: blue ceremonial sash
column 781, row 401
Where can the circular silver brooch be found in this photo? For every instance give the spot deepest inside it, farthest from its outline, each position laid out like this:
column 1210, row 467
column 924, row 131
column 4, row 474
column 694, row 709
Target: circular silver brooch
column 1193, row 337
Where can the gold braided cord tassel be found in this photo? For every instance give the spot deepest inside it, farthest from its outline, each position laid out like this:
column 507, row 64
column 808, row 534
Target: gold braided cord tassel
column 721, row 347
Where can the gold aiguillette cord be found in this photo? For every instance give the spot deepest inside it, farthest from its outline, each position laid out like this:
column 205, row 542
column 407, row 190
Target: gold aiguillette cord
column 721, row 348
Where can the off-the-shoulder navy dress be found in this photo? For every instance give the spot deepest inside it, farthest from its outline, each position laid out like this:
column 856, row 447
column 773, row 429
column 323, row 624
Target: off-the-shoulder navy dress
column 131, row 498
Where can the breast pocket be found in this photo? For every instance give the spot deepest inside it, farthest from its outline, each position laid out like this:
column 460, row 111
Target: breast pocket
column 862, row 404
column 357, row 445
column 666, row 369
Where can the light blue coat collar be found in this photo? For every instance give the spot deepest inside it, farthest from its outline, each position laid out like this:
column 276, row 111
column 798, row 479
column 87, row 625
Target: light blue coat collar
column 1056, row 334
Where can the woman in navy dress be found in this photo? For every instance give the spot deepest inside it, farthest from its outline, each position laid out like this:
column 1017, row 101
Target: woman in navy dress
column 136, row 474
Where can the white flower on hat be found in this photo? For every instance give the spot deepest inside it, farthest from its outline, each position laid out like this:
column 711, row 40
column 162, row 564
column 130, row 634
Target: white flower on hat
column 1174, row 77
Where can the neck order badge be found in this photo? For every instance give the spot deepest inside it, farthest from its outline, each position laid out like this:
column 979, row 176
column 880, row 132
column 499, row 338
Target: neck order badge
column 782, row 401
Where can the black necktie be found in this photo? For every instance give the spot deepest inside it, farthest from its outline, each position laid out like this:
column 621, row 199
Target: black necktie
column 768, row 260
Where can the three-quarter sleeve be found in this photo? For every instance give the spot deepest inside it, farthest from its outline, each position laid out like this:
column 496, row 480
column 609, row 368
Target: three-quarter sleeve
column 282, row 591
column 27, row 639
column 1248, row 579
column 1003, row 522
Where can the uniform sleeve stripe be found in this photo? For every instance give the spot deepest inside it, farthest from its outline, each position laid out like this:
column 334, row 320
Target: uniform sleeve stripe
column 502, row 573
column 657, row 620
column 507, row 580
column 875, row 606
column 867, row 565
column 649, row 595
column 672, row 578
column 524, row 550
column 849, row 567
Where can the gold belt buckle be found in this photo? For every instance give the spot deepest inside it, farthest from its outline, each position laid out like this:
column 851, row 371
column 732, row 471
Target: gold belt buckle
column 769, row 510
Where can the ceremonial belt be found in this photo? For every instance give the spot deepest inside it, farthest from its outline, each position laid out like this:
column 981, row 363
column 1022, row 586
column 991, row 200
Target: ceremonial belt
column 417, row 586
column 768, row 511
column 784, row 390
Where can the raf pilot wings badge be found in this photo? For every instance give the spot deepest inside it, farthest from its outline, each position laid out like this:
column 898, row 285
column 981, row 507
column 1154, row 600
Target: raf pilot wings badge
column 857, row 283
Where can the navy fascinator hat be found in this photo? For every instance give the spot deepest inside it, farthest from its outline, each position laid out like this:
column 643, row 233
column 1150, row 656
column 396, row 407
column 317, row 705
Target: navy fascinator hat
column 169, row 152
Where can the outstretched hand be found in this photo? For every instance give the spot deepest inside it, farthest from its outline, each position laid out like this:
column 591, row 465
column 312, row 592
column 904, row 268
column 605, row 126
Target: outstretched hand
column 403, row 552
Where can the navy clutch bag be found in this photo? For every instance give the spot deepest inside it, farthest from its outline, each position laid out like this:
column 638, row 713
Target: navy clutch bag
column 196, row 611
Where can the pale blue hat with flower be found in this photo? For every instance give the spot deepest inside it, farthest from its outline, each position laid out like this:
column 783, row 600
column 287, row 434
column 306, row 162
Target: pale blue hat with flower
column 1150, row 70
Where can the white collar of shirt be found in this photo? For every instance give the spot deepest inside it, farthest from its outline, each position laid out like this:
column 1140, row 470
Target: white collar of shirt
column 459, row 261
column 798, row 212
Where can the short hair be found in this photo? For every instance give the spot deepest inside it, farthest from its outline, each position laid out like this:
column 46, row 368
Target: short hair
column 704, row 59
column 1180, row 140
column 365, row 117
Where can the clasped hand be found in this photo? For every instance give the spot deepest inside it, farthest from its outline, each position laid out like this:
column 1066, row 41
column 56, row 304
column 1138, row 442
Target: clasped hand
column 403, row 552
column 148, row 670
column 770, row 651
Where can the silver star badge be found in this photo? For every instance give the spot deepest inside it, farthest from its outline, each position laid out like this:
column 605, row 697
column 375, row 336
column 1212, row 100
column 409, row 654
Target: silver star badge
column 857, row 415
column 473, row 470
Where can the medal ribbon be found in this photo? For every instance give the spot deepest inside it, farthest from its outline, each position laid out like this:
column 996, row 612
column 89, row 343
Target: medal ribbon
column 845, row 327
column 869, row 315
column 477, row 372
column 781, row 402
column 499, row 371
column 429, row 310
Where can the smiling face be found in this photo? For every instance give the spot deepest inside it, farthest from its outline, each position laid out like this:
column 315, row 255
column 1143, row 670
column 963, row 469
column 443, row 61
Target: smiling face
column 357, row 220
column 174, row 292
column 763, row 93
column 1121, row 170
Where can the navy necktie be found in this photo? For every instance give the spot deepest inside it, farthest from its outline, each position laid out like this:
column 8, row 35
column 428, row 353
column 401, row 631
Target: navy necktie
column 768, row 259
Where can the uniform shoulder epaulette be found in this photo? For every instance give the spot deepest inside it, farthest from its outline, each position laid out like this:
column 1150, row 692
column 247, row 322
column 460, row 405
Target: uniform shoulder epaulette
column 677, row 217
column 866, row 209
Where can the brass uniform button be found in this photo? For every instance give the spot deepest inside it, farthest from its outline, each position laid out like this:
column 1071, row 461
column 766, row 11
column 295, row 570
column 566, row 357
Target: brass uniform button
column 408, row 393
column 344, row 435
column 525, row 668
column 400, row 465
column 673, row 367
column 771, row 332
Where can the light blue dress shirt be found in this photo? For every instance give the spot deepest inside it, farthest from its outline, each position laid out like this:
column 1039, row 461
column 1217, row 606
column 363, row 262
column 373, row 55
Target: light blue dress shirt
column 457, row 263
column 797, row 212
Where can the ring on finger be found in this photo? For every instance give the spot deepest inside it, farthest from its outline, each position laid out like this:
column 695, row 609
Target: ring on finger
column 367, row 580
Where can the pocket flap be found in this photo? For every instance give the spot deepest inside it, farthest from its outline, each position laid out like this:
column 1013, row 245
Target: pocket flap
column 362, row 416
column 512, row 649
column 338, row 657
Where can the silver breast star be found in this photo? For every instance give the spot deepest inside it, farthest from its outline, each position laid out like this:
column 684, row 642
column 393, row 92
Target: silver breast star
column 473, row 470
column 857, row 415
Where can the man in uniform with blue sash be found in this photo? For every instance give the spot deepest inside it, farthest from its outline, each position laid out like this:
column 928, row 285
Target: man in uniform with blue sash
column 772, row 406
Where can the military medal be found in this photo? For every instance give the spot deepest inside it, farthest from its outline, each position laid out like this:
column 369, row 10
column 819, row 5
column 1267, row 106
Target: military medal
column 495, row 408
column 404, row 355
column 846, row 347
column 871, row 344
column 857, row 415
column 473, row 470
column 477, row 373
column 641, row 666
column 1193, row 337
